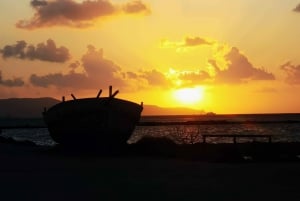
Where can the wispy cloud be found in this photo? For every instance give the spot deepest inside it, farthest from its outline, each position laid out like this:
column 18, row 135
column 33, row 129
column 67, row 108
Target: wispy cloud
column 16, row 82
column 194, row 77
column 297, row 8
column 195, row 41
column 292, row 73
column 74, row 14
column 186, row 43
column 43, row 51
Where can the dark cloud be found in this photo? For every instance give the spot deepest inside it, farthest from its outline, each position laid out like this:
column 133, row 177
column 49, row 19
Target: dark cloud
column 292, row 72
column 17, row 50
column 239, row 69
column 73, row 80
column 45, row 52
column 297, row 8
column 16, row 82
column 74, row 14
column 48, row 52
column 189, row 41
column 38, row 3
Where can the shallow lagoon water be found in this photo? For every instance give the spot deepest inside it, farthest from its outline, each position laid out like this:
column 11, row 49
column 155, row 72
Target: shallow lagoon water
column 283, row 127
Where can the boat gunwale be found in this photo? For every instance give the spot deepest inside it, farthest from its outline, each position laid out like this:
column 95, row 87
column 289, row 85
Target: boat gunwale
column 92, row 101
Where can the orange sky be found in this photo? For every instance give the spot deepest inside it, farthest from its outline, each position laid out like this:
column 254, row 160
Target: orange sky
column 234, row 56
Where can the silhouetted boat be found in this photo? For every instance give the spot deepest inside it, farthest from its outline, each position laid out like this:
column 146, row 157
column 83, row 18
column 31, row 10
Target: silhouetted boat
column 105, row 121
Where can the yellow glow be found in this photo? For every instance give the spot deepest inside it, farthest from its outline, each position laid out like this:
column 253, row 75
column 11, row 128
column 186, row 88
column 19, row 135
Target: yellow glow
column 189, row 96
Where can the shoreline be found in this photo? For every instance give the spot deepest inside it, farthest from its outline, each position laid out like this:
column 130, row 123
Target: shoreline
column 33, row 173
column 164, row 148
column 30, row 172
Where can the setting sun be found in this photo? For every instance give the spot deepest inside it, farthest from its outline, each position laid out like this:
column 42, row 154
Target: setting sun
column 189, row 96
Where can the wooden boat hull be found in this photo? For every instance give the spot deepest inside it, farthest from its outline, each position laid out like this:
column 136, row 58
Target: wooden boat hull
column 102, row 121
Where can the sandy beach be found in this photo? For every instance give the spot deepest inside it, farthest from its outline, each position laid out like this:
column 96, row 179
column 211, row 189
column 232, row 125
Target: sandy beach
column 34, row 173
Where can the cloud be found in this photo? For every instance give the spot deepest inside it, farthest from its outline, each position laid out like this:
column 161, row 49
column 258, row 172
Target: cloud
column 292, row 72
column 186, row 43
column 98, row 71
column 44, row 52
column 145, row 79
column 189, row 41
column 239, row 69
column 16, row 82
column 194, row 77
column 99, row 68
column 73, row 80
column 155, row 78
column 136, row 7
column 73, row 66
column 235, row 69
column 17, row 50
column 297, row 8
column 35, row 3
column 74, row 14
column 131, row 75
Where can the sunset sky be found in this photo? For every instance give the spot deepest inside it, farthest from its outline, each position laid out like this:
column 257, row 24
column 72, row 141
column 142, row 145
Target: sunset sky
column 233, row 56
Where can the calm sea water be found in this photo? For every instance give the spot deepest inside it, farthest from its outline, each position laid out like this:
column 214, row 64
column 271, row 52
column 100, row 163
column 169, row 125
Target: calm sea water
column 284, row 127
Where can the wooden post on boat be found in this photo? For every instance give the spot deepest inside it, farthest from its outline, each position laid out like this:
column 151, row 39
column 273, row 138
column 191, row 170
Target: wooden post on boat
column 99, row 93
column 114, row 94
column 110, row 91
column 74, row 98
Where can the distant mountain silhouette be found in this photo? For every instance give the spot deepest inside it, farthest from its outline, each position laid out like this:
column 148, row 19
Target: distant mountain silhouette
column 25, row 107
column 156, row 110
column 33, row 108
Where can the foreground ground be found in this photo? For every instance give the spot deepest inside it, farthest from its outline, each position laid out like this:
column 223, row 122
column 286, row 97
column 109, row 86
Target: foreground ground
column 33, row 173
